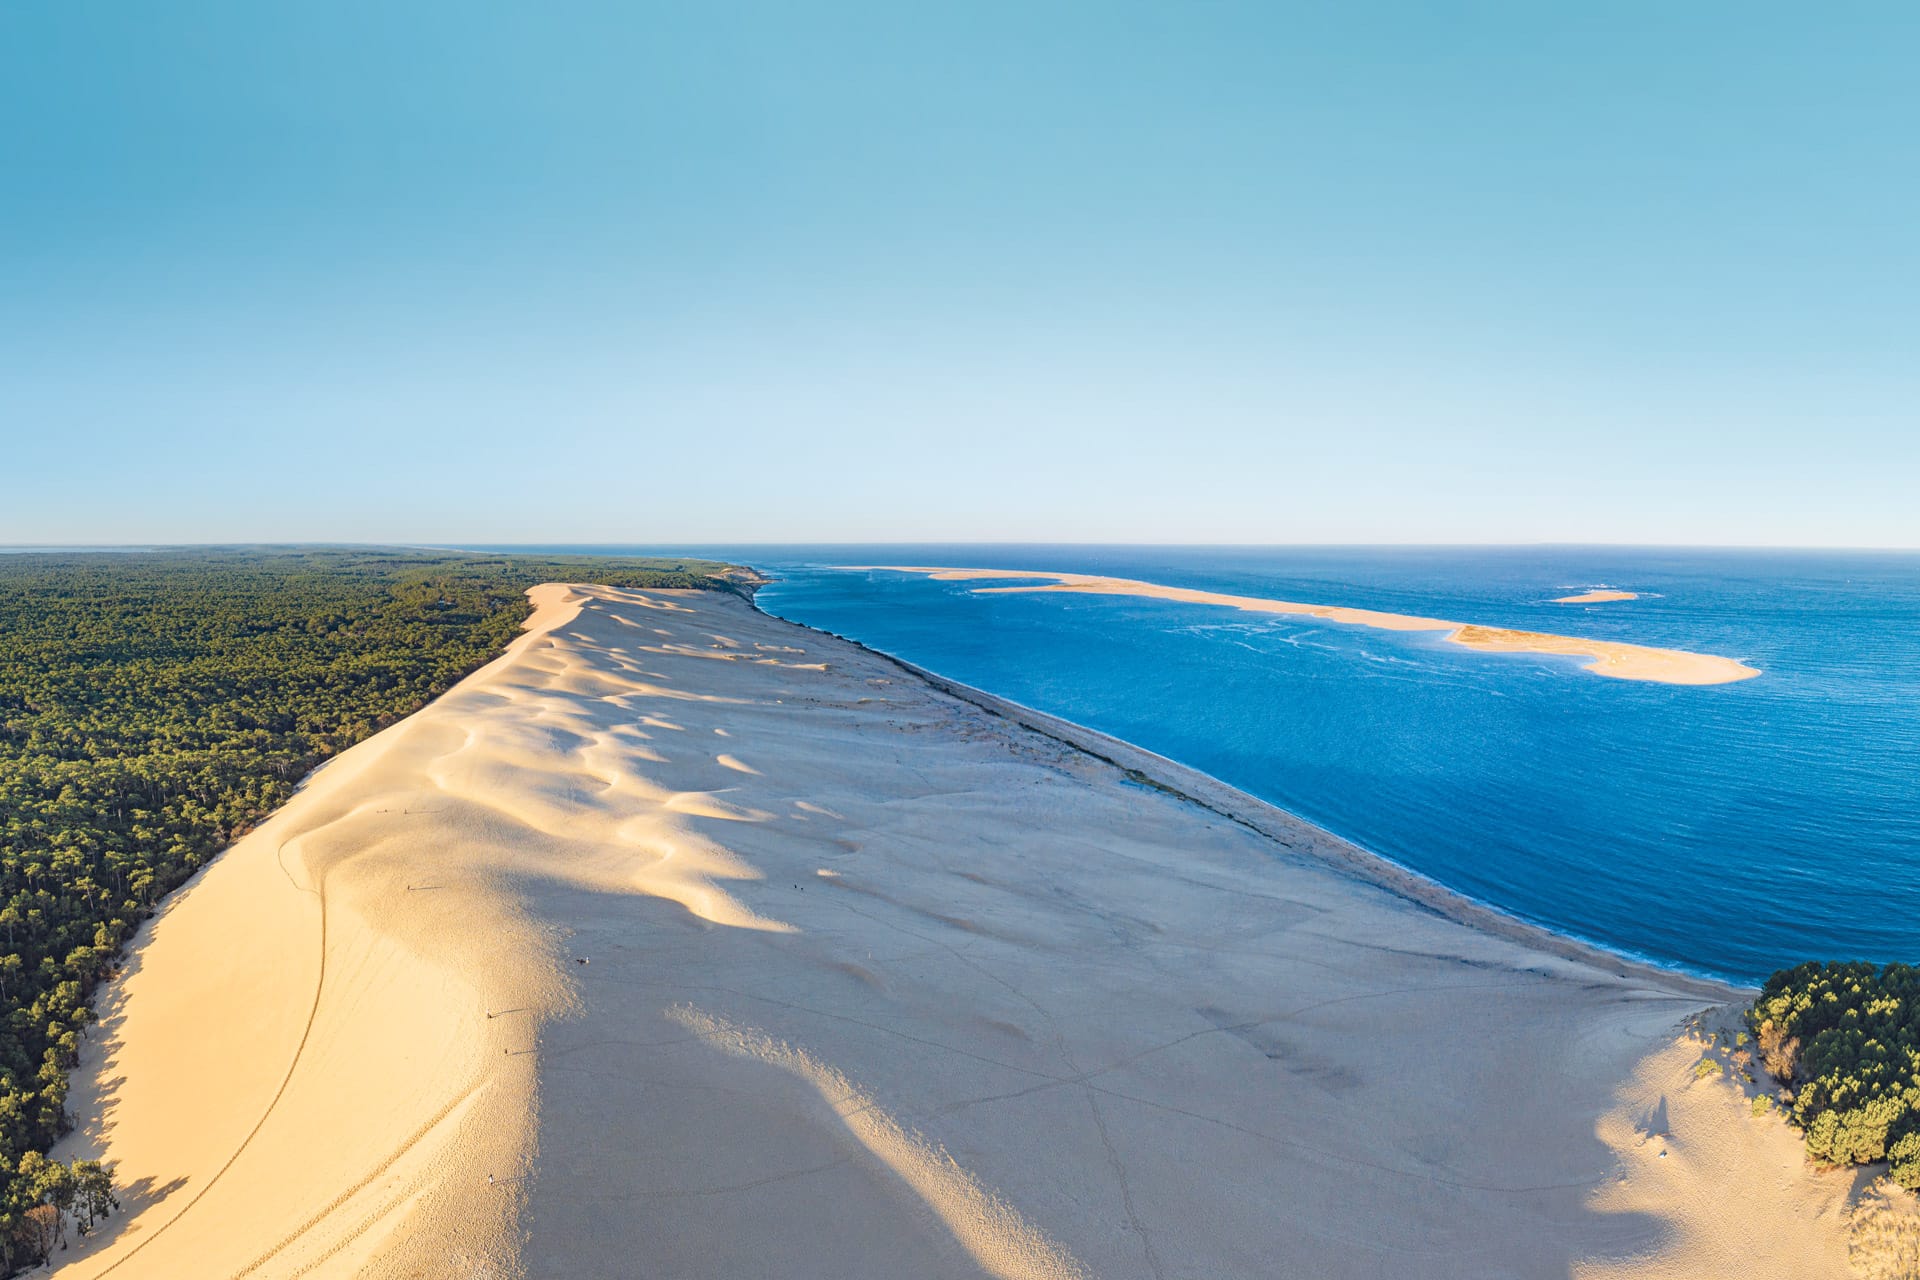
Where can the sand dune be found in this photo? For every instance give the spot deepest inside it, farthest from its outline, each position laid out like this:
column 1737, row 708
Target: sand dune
column 1610, row 657
column 536, row 983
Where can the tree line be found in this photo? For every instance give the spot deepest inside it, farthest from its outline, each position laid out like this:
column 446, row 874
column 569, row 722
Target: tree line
column 153, row 708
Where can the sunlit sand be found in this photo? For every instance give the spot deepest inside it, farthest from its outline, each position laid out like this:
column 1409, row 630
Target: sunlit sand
column 1608, row 657
column 536, row 983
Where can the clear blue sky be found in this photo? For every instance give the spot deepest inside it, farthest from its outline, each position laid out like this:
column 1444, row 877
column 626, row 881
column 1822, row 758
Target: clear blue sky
column 370, row 270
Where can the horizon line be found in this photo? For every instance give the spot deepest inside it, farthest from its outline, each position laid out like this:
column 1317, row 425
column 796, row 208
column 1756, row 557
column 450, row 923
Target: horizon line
column 511, row 547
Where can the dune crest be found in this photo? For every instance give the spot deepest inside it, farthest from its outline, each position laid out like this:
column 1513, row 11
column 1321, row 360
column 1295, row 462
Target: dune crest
column 377, row 1086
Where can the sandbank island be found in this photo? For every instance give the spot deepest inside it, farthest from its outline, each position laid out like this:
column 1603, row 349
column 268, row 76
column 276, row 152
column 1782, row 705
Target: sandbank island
column 1597, row 597
column 682, row 941
column 1609, row 657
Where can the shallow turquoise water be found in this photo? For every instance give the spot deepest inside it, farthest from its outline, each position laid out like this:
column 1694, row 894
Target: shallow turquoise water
column 1727, row 830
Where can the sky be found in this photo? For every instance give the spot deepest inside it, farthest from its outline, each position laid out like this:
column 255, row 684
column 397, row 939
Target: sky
column 587, row 271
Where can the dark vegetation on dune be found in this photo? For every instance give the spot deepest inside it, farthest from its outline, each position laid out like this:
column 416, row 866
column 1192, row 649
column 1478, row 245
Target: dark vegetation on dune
column 153, row 707
column 1843, row 1040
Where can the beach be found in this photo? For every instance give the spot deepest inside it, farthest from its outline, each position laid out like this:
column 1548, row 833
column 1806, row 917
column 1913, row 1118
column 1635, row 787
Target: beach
column 1613, row 658
column 684, row 941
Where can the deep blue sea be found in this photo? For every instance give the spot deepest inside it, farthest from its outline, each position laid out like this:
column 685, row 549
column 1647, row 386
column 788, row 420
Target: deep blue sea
column 1727, row 830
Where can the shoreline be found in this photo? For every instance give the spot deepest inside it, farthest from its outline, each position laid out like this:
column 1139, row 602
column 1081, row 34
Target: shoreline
column 1299, row 836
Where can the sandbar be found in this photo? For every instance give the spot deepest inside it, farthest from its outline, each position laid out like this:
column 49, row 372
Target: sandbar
column 683, row 941
column 1596, row 597
column 1611, row 658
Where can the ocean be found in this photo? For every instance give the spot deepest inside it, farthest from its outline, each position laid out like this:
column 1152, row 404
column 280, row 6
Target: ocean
column 1725, row 830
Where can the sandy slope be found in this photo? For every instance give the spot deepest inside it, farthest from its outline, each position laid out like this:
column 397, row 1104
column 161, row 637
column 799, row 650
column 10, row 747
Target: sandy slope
column 1609, row 657
column 727, row 949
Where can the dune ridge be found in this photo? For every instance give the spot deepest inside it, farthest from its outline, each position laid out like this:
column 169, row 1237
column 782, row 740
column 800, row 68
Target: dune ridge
column 537, row 983
column 1004, row 1244
column 1612, row 658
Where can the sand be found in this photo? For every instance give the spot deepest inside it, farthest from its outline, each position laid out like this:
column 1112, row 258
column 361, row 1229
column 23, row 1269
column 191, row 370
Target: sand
column 1596, row 597
column 684, row 942
column 1609, row 657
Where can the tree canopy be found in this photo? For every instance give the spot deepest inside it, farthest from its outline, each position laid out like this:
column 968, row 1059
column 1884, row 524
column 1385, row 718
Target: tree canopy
column 154, row 707
column 1844, row 1040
